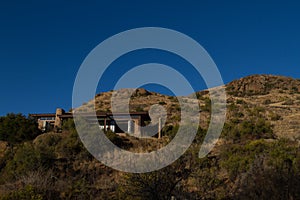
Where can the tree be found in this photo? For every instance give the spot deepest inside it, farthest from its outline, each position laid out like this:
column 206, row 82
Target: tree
column 16, row 128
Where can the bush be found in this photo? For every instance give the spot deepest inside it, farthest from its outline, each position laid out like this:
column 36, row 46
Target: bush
column 114, row 138
column 288, row 102
column 267, row 101
column 207, row 106
column 162, row 103
column 295, row 89
column 16, row 128
column 275, row 116
column 27, row 193
column 71, row 147
column 240, row 101
column 272, row 174
column 251, row 129
column 161, row 184
column 25, row 159
column 170, row 130
column 68, row 125
column 139, row 109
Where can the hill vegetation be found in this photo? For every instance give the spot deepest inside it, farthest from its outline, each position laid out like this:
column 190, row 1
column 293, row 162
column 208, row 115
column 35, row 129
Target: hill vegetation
column 256, row 157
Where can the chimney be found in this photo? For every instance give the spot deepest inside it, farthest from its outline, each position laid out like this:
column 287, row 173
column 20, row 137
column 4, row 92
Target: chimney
column 58, row 122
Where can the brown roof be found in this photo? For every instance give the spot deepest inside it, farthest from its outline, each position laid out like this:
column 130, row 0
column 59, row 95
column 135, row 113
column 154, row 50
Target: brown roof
column 105, row 114
column 42, row 115
column 99, row 114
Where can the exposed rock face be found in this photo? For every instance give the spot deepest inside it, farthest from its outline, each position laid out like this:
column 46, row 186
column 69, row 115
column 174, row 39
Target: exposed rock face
column 141, row 92
column 3, row 148
column 262, row 84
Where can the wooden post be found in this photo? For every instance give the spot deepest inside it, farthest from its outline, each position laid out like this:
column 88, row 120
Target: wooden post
column 159, row 128
column 137, row 130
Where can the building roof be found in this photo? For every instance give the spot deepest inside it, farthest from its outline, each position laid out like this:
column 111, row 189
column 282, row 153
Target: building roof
column 98, row 114
column 105, row 114
column 42, row 115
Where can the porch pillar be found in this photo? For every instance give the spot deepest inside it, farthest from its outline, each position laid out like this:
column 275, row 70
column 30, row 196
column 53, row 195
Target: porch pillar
column 129, row 126
column 105, row 124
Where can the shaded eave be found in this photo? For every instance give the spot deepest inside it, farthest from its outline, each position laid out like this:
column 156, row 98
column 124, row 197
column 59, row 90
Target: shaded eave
column 106, row 114
column 42, row 115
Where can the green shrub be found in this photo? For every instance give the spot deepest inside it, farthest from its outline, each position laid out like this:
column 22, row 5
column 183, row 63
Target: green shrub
column 68, row 125
column 267, row 101
column 288, row 102
column 27, row 158
column 160, row 184
column 207, row 106
column 26, row 193
column 71, row 147
column 240, row 101
column 233, row 107
column 162, row 103
column 274, row 116
column 170, row 130
column 295, row 89
column 139, row 109
column 16, row 128
column 256, row 112
column 250, row 128
column 114, row 138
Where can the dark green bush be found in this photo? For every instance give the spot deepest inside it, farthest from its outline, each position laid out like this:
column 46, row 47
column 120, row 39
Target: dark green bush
column 26, row 193
column 114, row 138
column 267, row 101
column 68, row 125
column 25, row 159
column 253, row 128
column 295, row 89
column 288, row 102
column 16, row 128
column 275, row 116
column 240, row 101
column 162, row 103
column 207, row 106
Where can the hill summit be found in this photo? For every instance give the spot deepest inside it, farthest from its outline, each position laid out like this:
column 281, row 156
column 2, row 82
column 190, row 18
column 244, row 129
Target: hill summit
column 256, row 157
column 262, row 84
column 277, row 98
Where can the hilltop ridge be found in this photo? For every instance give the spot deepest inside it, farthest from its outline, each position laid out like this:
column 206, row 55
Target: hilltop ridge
column 262, row 84
column 278, row 96
column 256, row 157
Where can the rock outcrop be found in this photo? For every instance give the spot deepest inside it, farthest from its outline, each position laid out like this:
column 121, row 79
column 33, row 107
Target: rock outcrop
column 262, row 84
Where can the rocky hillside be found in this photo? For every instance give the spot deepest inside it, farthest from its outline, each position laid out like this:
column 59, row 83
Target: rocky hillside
column 277, row 97
column 262, row 84
column 257, row 156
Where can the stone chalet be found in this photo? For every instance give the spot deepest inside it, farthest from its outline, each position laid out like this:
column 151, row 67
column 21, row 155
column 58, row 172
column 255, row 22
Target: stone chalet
column 106, row 120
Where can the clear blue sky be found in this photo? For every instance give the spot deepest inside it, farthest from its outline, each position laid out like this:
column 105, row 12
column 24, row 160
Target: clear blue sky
column 43, row 43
